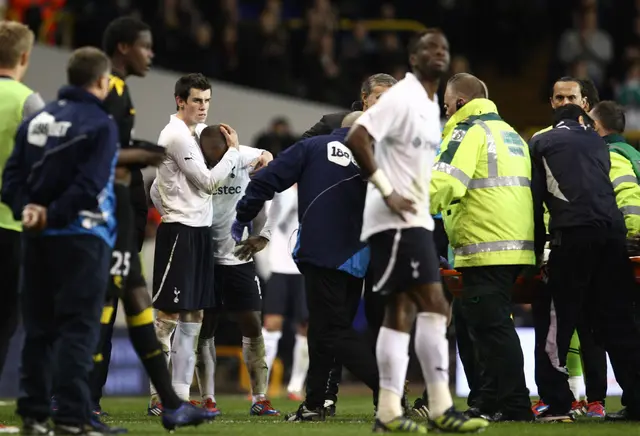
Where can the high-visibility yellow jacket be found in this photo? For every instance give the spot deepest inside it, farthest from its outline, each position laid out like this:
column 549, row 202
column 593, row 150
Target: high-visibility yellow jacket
column 625, row 183
column 481, row 182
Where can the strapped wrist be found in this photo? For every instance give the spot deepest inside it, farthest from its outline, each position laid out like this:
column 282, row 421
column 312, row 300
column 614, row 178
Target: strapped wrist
column 381, row 181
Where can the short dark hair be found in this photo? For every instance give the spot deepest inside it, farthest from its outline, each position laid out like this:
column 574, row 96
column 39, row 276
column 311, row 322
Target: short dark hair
column 86, row 66
column 123, row 30
column 611, row 115
column 566, row 79
column 213, row 133
column 590, row 92
column 587, row 89
column 414, row 42
column 185, row 84
column 380, row 79
column 571, row 112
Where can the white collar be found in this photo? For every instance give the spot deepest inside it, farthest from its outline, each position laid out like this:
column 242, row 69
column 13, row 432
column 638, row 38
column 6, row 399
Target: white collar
column 412, row 78
column 179, row 124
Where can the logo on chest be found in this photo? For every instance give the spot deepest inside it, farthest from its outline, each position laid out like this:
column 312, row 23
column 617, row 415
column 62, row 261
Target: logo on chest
column 339, row 154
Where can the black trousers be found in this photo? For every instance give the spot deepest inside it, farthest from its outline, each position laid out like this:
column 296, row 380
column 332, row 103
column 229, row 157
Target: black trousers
column 62, row 293
column 591, row 279
column 374, row 305
column 333, row 297
column 594, row 358
column 482, row 390
column 485, row 308
column 98, row 378
column 10, row 273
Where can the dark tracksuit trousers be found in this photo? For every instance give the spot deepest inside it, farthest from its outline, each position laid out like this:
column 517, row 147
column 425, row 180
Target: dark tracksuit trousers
column 594, row 358
column 333, row 297
column 62, row 294
column 482, row 390
column 591, row 279
column 485, row 308
column 374, row 305
column 10, row 273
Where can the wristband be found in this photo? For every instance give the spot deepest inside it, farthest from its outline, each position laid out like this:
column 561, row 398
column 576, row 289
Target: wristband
column 381, row 181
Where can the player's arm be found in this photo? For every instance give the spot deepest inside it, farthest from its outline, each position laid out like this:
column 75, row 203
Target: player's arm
column 14, row 175
column 254, row 158
column 376, row 123
column 280, row 175
column 627, row 190
column 272, row 216
column 259, row 236
column 207, row 180
column 94, row 172
column 141, row 155
column 538, row 190
column 455, row 166
column 115, row 104
column 156, row 199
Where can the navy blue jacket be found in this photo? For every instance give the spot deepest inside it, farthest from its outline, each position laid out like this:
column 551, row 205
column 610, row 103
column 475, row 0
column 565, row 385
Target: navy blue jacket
column 331, row 194
column 570, row 175
column 64, row 159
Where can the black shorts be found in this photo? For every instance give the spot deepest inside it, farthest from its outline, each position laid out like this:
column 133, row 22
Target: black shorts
column 402, row 259
column 183, row 268
column 285, row 296
column 126, row 270
column 239, row 287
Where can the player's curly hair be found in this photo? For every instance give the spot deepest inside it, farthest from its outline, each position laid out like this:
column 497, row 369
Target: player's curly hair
column 123, row 30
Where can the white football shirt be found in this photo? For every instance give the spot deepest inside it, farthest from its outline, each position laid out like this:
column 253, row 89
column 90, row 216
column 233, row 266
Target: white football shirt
column 285, row 234
column 229, row 192
column 185, row 184
column 405, row 125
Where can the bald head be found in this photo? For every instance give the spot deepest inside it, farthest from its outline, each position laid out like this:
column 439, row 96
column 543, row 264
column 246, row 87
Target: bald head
column 468, row 85
column 350, row 119
column 461, row 89
column 213, row 144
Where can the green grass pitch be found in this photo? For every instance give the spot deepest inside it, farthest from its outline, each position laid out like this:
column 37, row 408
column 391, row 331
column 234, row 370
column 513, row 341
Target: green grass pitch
column 354, row 417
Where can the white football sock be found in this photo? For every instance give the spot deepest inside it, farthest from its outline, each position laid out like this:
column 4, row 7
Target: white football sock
column 183, row 355
column 206, row 368
column 253, row 353
column 300, row 365
column 576, row 384
column 392, row 354
column 432, row 349
column 271, row 340
column 164, row 329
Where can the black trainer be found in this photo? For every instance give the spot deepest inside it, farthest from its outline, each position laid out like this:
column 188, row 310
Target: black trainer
column 305, row 414
column 32, row 427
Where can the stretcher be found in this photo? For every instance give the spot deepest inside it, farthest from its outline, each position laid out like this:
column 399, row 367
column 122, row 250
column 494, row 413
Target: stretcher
column 524, row 289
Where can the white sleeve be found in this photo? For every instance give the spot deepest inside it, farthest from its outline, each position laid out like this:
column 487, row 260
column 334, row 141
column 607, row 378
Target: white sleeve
column 259, row 221
column 154, row 194
column 273, row 216
column 381, row 119
column 248, row 155
column 195, row 169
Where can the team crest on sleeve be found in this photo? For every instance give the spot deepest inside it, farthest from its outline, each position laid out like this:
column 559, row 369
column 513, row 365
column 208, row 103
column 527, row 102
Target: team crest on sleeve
column 458, row 135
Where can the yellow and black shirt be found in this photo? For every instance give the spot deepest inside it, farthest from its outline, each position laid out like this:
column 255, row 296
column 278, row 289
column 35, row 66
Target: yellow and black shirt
column 120, row 105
